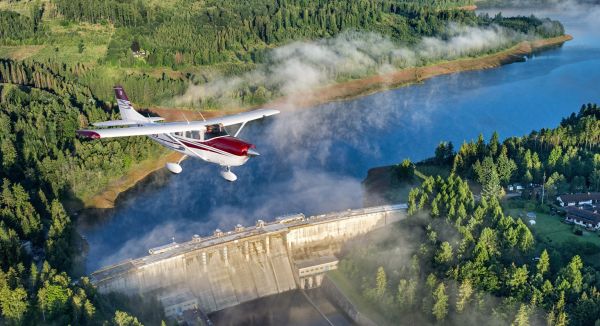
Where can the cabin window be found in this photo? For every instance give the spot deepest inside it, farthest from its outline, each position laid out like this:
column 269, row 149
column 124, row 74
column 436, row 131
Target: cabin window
column 196, row 134
column 188, row 134
column 213, row 131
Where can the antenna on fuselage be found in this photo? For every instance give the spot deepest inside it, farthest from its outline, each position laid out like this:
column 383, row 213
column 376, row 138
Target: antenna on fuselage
column 201, row 115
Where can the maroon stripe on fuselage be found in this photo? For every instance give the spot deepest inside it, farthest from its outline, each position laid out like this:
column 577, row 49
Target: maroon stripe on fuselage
column 226, row 144
column 192, row 145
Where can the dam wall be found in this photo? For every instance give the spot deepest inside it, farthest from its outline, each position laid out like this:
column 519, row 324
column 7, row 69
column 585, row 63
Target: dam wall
column 341, row 226
column 229, row 268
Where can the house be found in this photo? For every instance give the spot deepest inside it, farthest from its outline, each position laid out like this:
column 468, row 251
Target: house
column 515, row 187
column 587, row 218
column 578, row 199
column 139, row 54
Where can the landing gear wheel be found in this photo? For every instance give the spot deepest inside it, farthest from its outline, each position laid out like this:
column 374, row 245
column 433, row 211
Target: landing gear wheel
column 228, row 175
column 175, row 168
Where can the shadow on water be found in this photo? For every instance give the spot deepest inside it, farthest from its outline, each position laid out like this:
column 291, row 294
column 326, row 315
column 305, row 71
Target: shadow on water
column 92, row 218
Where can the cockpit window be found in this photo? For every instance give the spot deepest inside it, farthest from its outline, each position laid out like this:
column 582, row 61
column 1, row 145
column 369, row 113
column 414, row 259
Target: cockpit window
column 213, row 131
column 193, row 134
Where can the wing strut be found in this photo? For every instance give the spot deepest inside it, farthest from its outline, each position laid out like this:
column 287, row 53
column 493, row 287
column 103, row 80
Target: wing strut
column 240, row 129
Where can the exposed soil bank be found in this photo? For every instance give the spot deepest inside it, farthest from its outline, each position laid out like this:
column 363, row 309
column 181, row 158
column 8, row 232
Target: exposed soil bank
column 403, row 77
column 336, row 92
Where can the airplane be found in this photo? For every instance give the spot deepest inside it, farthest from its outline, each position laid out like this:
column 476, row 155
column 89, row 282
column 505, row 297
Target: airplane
column 206, row 140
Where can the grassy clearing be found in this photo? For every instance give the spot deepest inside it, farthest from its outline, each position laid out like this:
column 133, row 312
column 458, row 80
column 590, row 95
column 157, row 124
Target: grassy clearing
column 551, row 229
column 63, row 43
column 19, row 52
column 551, row 233
column 429, row 169
column 22, row 7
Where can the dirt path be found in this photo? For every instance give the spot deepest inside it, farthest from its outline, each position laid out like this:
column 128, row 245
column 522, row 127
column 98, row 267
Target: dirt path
column 337, row 92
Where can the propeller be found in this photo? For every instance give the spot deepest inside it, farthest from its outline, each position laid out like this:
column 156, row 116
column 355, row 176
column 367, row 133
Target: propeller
column 252, row 153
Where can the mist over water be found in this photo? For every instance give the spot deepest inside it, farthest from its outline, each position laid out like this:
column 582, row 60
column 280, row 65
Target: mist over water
column 300, row 67
column 314, row 160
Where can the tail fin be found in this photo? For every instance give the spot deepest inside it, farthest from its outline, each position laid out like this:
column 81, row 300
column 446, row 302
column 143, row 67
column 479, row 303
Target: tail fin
column 128, row 113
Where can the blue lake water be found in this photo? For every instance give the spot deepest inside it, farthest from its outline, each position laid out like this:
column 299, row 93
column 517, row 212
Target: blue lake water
column 314, row 160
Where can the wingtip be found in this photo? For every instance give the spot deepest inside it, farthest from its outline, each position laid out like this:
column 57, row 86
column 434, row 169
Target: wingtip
column 88, row 134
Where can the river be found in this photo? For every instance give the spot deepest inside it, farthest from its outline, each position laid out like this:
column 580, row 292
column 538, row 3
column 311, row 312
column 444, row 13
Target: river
column 314, row 160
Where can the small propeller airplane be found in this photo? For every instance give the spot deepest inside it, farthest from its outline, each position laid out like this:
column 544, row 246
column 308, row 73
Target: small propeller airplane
column 207, row 140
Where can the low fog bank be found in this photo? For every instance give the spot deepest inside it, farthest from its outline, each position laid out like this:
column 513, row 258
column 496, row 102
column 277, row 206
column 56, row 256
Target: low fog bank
column 300, row 67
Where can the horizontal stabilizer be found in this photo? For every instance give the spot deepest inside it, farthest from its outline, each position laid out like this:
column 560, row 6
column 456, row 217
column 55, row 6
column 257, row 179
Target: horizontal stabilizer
column 115, row 123
column 121, row 123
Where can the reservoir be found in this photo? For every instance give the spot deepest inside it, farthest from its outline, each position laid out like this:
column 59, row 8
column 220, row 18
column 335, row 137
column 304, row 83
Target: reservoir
column 313, row 160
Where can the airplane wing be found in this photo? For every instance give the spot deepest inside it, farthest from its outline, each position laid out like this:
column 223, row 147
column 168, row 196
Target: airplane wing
column 235, row 119
column 171, row 127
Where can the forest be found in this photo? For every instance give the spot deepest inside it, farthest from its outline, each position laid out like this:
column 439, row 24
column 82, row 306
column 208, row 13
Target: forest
column 463, row 259
column 43, row 166
column 158, row 50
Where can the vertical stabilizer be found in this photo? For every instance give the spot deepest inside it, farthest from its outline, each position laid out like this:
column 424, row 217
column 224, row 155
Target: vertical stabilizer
column 128, row 113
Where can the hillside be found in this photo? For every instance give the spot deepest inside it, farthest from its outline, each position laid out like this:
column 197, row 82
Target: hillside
column 156, row 50
column 468, row 258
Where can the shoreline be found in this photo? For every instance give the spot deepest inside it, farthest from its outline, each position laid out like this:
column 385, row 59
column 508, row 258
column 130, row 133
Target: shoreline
column 332, row 93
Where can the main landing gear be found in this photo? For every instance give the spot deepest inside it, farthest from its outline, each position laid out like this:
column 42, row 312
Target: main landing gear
column 175, row 168
column 227, row 174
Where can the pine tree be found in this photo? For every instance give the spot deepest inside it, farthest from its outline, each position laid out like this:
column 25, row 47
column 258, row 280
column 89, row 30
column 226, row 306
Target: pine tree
column 488, row 178
column 381, row 282
column 440, row 306
column 494, row 144
column 444, row 253
column 522, row 317
column 406, row 293
column 465, row 292
column 543, row 264
column 13, row 303
column 506, row 166
column 124, row 319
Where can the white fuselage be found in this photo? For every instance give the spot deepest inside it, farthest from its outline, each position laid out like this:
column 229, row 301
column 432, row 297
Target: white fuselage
column 197, row 148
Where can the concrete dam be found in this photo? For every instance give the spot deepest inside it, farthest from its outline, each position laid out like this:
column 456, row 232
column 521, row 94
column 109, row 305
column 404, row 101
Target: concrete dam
column 247, row 263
